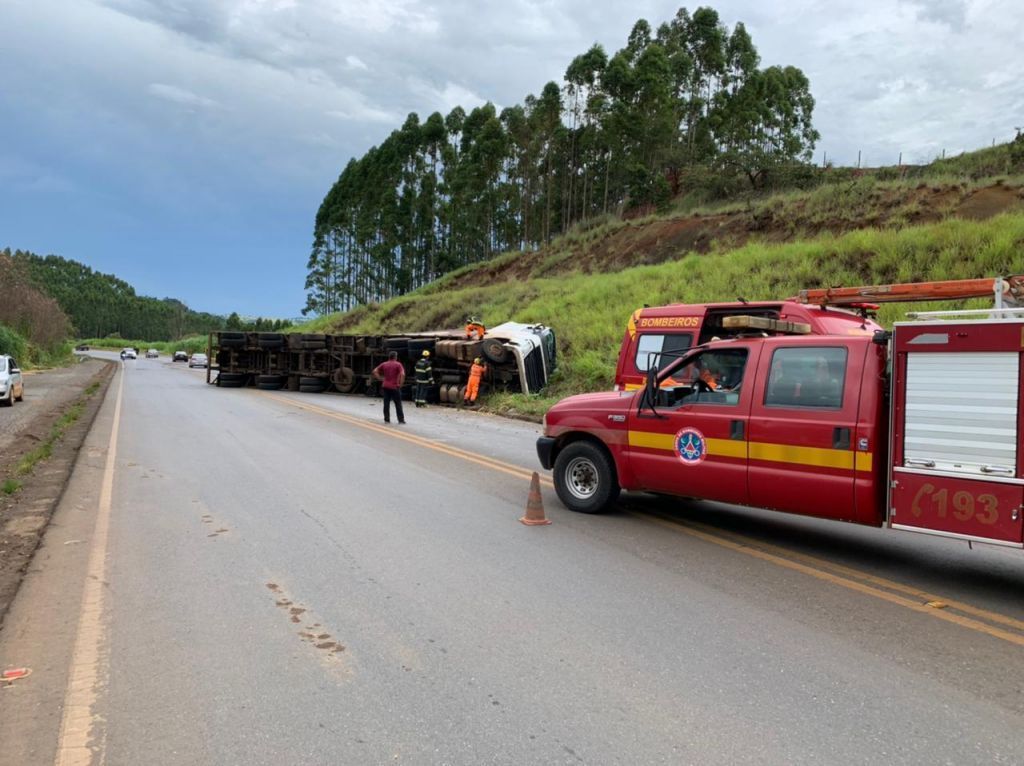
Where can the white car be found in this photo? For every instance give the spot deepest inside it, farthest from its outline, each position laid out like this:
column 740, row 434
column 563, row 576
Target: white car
column 152, row 354
column 197, row 360
column 129, row 353
column 12, row 389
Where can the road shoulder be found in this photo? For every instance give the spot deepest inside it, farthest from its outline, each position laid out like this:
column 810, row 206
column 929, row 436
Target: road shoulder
column 25, row 513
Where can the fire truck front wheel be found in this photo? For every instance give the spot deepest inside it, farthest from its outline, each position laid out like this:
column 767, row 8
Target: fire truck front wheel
column 585, row 478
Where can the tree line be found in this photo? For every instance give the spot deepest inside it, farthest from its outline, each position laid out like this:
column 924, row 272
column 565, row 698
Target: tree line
column 33, row 315
column 95, row 305
column 621, row 133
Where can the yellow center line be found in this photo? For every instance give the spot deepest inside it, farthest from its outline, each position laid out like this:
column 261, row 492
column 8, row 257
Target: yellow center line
column 815, row 567
column 419, row 441
column 910, row 590
column 844, row 582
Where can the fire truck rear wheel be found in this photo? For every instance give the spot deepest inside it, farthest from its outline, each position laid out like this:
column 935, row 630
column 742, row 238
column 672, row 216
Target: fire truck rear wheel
column 585, row 479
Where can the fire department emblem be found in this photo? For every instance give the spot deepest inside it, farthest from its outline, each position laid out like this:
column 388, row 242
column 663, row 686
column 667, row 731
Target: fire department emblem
column 690, row 446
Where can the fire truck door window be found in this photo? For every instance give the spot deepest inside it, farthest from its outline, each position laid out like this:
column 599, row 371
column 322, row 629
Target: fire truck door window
column 696, row 446
column 803, row 430
column 806, row 377
column 651, row 348
column 714, row 377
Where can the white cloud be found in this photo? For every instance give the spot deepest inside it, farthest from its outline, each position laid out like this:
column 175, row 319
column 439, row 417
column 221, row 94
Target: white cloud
column 355, row 62
column 179, row 95
column 445, row 98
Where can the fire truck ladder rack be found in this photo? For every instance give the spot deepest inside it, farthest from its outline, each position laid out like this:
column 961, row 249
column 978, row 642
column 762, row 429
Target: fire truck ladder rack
column 992, row 313
column 1007, row 291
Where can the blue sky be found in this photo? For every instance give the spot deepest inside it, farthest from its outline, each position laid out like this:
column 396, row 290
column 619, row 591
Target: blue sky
column 185, row 145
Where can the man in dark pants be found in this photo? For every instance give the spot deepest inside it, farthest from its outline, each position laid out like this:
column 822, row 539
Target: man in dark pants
column 424, row 378
column 391, row 374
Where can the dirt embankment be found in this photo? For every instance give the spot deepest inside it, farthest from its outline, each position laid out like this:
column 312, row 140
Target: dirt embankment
column 25, row 512
column 637, row 243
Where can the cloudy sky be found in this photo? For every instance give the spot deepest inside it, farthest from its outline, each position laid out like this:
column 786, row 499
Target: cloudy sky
column 185, row 145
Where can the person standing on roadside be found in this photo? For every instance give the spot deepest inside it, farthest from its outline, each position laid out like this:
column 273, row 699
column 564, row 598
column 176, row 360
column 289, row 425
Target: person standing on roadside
column 391, row 375
column 476, row 372
column 424, row 378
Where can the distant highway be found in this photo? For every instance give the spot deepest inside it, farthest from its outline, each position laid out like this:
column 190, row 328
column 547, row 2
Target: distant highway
column 247, row 577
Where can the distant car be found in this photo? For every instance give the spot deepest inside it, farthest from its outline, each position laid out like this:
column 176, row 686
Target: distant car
column 152, row 354
column 197, row 360
column 81, row 347
column 129, row 353
column 12, row 388
column 179, row 356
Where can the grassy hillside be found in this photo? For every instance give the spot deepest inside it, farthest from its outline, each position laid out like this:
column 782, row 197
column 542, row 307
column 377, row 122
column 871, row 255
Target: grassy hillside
column 589, row 311
column 955, row 218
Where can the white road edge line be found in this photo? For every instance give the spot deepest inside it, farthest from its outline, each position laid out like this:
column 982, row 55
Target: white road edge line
column 79, row 720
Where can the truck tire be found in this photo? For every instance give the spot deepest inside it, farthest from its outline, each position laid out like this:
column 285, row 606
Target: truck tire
column 230, row 380
column 270, row 340
column 312, row 342
column 310, row 381
column 232, row 340
column 312, row 389
column 585, row 478
column 494, row 350
column 270, row 382
column 418, row 345
column 345, row 380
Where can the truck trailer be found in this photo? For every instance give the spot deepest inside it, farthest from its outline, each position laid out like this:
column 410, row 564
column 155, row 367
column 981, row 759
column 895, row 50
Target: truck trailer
column 919, row 428
column 520, row 357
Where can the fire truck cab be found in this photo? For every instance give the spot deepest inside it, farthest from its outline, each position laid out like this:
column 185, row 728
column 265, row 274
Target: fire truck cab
column 653, row 335
column 918, row 429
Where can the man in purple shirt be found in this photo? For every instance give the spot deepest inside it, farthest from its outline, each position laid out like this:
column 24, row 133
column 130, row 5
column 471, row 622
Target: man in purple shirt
column 391, row 374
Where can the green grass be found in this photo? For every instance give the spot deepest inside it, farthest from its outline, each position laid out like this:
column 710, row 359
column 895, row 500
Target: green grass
column 30, row 355
column 589, row 312
column 44, row 450
column 10, row 486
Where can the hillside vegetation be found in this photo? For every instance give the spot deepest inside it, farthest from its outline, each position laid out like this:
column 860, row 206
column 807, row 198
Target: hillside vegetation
column 33, row 329
column 100, row 304
column 683, row 104
column 950, row 221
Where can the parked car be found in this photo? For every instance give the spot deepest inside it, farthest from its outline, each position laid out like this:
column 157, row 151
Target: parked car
column 129, row 353
column 12, row 388
column 179, row 356
column 197, row 360
column 152, row 354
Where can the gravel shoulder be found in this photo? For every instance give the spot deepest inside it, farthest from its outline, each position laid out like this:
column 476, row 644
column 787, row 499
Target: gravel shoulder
column 46, row 392
column 25, row 513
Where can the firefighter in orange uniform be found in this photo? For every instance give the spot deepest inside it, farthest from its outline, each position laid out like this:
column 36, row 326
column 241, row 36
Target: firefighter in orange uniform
column 707, row 375
column 475, row 327
column 475, row 373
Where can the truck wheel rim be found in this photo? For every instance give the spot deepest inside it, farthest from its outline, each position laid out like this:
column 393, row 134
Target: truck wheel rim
column 581, row 478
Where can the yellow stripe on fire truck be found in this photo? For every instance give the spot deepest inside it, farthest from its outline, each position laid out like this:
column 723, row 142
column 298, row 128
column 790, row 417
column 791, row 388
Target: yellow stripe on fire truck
column 768, row 452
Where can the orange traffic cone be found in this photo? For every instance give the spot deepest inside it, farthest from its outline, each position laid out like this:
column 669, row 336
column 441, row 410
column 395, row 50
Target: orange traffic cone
column 535, row 505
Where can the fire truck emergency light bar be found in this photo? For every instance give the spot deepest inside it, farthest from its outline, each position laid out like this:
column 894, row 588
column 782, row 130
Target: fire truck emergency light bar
column 768, row 324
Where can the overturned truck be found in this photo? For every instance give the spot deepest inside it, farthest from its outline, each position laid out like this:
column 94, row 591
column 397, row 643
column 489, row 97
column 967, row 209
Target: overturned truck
column 520, row 358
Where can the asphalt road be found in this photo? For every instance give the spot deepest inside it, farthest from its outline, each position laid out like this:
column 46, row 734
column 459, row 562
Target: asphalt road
column 278, row 578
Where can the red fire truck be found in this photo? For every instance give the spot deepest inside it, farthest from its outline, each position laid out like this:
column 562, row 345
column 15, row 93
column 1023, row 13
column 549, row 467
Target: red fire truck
column 660, row 333
column 919, row 428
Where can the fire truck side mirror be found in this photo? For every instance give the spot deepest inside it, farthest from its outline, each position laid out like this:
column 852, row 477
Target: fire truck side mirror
column 651, row 384
column 882, row 337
